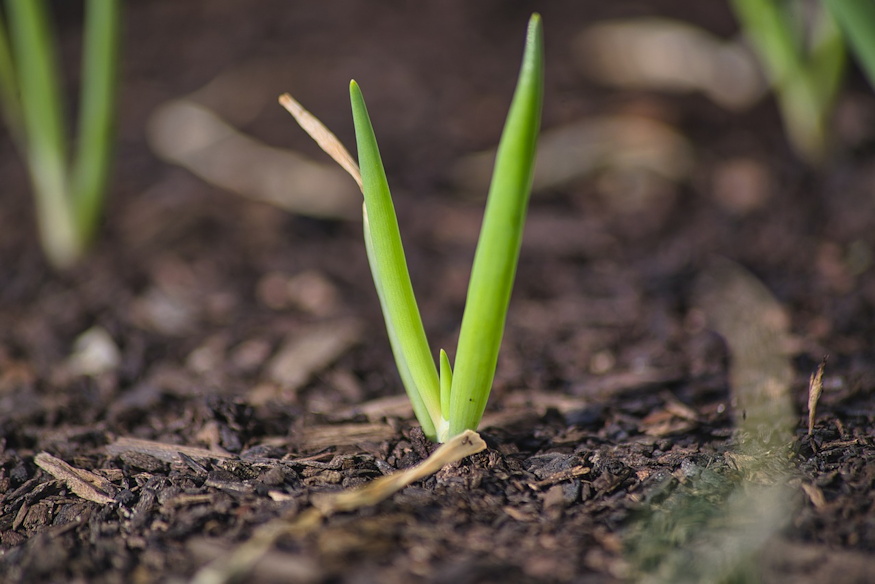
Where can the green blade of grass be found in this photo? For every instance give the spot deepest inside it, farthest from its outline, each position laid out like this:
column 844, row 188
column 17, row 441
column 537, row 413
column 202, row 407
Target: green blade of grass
column 96, row 115
column 42, row 121
column 416, row 399
column 827, row 63
column 769, row 29
column 857, row 19
column 495, row 260
column 804, row 85
column 9, row 86
column 389, row 268
column 446, row 374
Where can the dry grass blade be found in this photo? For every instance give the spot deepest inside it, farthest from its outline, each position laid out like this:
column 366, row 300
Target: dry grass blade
column 815, row 388
column 241, row 561
column 322, row 136
column 86, row 484
column 465, row 444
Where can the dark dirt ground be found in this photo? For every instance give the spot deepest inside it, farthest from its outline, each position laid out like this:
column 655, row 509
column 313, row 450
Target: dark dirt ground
column 250, row 339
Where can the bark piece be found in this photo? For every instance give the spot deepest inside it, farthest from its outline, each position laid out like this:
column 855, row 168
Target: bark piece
column 84, row 483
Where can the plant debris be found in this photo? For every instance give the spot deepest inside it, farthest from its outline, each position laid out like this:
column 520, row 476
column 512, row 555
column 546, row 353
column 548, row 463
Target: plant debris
column 617, row 433
column 815, row 388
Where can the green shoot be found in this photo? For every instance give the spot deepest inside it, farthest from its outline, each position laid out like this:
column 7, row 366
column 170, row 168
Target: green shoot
column 804, row 67
column 495, row 261
column 69, row 193
column 857, row 21
column 447, row 403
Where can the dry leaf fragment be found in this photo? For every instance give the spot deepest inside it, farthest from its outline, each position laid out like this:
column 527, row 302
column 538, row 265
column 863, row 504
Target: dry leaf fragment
column 815, row 388
column 670, row 55
column 324, row 137
column 192, row 136
column 622, row 142
column 84, row 483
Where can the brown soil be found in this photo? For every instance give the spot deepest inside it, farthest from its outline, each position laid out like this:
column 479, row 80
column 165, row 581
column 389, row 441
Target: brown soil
column 614, row 436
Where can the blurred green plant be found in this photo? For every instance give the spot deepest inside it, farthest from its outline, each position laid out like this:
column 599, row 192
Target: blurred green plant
column 803, row 54
column 69, row 190
column 856, row 19
column 447, row 403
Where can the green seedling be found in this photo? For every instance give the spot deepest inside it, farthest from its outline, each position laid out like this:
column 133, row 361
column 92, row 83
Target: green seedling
column 447, row 401
column 69, row 191
column 804, row 61
column 857, row 22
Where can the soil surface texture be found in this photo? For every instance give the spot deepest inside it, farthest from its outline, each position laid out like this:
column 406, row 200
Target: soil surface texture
column 219, row 361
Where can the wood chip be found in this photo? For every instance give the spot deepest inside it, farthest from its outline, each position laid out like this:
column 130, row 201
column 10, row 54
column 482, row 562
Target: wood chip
column 310, row 350
column 85, row 484
column 187, row 500
column 521, row 515
column 665, row 423
column 162, row 451
column 333, row 435
column 397, row 406
column 675, row 418
column 19, row 517
column 564, row 475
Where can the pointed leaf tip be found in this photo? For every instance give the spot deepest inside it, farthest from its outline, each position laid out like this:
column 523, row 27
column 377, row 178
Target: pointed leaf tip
column 495, row 260
column 534, row 23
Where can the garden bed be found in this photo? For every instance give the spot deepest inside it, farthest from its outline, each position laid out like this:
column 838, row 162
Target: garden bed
column 237, row 364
